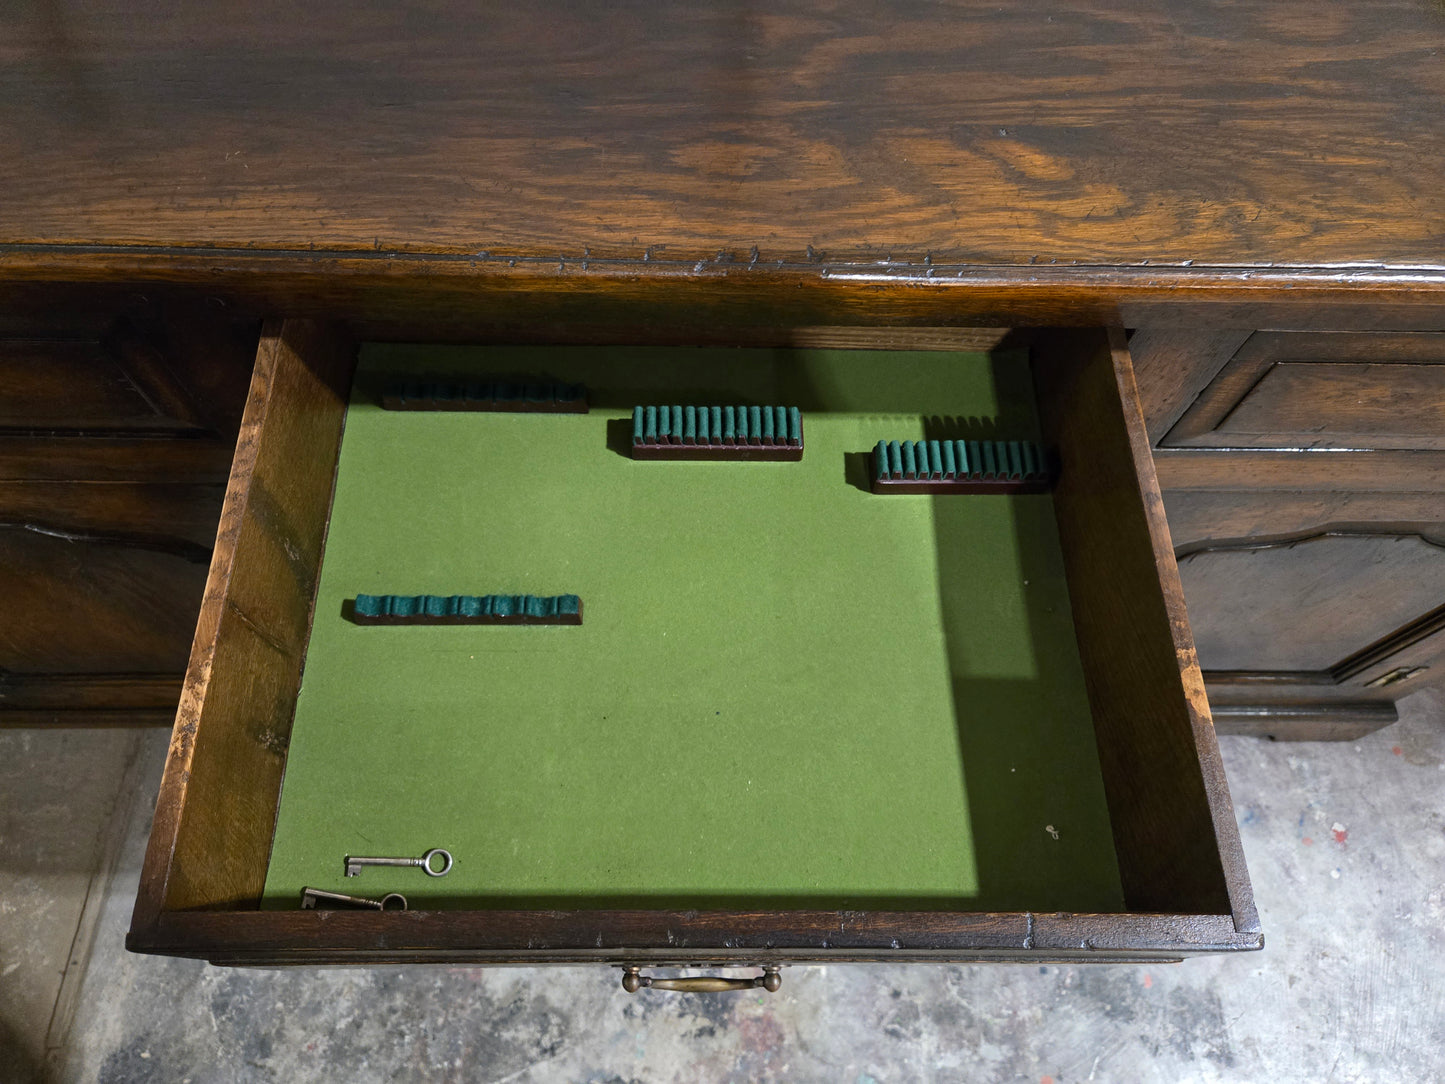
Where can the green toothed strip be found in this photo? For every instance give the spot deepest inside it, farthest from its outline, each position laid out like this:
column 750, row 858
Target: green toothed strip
column 718, row 426
column 950, row 460
column 441, row 393
column 418, row 608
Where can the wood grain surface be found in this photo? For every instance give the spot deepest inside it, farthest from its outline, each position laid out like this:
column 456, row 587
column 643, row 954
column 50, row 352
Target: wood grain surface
column 1174, row 829
column 1172, row 366
column 1308, row 603
column 111, row 480
column 1198, row 518
column 688, row 938
column 212, row 832
column 1382, row 391
column 1160, row 132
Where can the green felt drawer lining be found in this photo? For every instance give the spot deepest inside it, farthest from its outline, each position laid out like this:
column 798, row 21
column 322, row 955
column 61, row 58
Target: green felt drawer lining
column 787, row 692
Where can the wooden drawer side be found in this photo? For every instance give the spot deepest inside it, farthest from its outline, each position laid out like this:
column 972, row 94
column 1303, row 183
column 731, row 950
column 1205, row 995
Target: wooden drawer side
column 1174, row 830
column 217, row 804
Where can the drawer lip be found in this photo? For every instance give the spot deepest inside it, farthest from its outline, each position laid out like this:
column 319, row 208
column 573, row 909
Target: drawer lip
column 210, row 839
column 711, row 936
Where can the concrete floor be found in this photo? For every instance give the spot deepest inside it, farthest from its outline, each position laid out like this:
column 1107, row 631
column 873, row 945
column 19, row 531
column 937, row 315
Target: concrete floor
column 1346, row 846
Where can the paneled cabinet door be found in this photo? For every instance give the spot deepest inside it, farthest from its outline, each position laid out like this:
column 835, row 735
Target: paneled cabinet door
column 1290, row 390
column 1343, row 618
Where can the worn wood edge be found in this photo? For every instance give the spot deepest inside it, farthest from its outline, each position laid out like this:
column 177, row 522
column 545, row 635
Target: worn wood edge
column 454, row 958
column 99, row 256
column 711, row 936
column 178, row 519
column 225, row 836
column 155, row 869
column 380, row 290
column 1431, row 534
column 170, row 805
column 1222, row 680
column 1382, row 651
column 1241, row 892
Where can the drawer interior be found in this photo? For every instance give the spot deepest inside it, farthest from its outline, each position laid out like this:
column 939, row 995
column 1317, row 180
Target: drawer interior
column 837, row 724
column 787, row 691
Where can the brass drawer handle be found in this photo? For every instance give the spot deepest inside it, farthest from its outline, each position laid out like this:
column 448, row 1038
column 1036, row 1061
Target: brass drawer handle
column 633, row 980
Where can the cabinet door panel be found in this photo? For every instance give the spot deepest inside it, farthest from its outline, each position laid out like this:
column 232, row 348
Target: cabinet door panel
column 1323, row 391
column 1308, row 605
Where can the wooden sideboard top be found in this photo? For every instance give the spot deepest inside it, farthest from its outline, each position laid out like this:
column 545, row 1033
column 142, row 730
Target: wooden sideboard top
column 1159, row 132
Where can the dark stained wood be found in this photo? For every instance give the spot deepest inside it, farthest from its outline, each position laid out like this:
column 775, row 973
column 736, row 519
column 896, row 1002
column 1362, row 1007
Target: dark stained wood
column 1315, row 636
column 180, row 519
column 392, row 295
column 1261, row 132
column 111, row 479
column 68, row 384
column 1392, row 661
column 1198, row 517
column 95, row 605
column 1341, row 406
column 175, row 460
column 1172, row 366
column 703, row 173
column 1323, row 391
column 206, row 863
column 1354, row 692
column 1308, row 603
column 1395, row 348
column 148, row 373
column 1343, row 721
column 108, row 409
column 1309, row 472
column 690, row 937
column 217, row 805
column 105, row 699
column 1174, row 830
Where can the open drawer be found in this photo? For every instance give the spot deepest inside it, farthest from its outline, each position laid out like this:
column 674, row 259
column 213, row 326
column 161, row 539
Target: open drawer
column 1063, row 800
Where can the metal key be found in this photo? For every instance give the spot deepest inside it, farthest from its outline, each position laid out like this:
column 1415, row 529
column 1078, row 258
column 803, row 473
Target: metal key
column 354, row 863
column 392, row 901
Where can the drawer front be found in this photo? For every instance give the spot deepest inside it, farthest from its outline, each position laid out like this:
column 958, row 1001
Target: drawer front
column 1286, row 390
column 1181, row 868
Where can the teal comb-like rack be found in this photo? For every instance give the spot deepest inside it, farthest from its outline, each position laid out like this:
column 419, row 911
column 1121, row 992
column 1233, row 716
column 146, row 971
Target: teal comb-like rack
column 960, row 466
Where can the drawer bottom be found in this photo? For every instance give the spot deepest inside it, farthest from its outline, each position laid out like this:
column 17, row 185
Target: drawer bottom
column 787, row 693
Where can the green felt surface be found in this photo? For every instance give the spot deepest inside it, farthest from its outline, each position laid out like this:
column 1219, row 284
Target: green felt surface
column 787, row 691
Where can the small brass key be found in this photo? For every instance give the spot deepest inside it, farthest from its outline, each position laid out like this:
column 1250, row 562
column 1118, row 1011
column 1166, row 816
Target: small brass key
column 354, row 863
column 311, row 897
